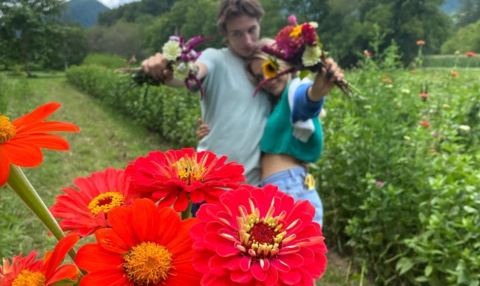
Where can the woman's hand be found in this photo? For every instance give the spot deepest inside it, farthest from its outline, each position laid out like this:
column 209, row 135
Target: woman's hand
column 325, row 80
column 202, row 130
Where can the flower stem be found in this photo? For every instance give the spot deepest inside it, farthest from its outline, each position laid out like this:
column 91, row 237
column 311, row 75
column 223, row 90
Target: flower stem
column 188, row 212
column 18, row 182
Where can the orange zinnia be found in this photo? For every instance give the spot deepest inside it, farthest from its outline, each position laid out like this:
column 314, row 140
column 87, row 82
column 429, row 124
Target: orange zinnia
column 21, row 139
column 420, row 42
column 145, row 246
column 25, row 271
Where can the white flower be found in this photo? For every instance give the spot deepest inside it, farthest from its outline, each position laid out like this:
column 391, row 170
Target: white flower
column 407, row 138
column 406, row 90
column 172, row 50
column 181, row 70
column 464, row 128
column 311, row 56
column 313, row 24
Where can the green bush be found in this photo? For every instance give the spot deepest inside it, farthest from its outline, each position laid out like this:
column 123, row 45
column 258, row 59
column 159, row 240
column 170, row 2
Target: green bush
column 402, row 198
column 451, row 61
column 170, row 112
column 105, row 60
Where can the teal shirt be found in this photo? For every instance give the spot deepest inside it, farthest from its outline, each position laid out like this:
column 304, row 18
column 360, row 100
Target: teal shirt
column 278, row 135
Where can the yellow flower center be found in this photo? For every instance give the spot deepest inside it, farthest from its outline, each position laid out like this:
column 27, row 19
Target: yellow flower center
column 106, row 202
column 296, row 32
column 189, row 170
column 28, row 278
column 7, row 130
column 147, row 264
column 270, row 69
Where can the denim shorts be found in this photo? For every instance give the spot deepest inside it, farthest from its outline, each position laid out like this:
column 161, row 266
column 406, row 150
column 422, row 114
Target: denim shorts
column 292, row 182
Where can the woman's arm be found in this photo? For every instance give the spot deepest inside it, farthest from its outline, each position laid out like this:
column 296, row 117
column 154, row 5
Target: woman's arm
column 325, row 81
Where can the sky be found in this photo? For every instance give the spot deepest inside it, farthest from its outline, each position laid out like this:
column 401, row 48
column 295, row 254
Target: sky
column 116, row 3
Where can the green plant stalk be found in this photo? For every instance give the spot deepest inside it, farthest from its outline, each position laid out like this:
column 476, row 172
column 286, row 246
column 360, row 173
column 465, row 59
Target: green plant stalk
column 18, row 182
column 188, row 212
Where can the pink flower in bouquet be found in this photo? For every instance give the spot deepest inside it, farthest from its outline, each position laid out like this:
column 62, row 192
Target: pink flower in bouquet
column 309, row 35
column 170, row 176
column 25, row 271
column 86, row 210
column 258, row 236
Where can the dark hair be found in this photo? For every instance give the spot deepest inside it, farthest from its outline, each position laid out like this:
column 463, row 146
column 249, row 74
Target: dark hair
column 230, row 9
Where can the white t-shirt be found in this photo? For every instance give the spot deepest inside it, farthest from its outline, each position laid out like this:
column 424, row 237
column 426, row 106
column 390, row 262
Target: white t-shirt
column 236, row 118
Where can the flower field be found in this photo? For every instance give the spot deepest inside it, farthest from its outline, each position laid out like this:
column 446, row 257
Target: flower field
column 399, row 175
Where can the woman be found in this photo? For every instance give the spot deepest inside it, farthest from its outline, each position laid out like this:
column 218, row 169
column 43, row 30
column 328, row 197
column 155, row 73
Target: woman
column 293, row 133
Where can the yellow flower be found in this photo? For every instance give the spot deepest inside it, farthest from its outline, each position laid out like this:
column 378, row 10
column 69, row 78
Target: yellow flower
column 172, row 50
column 270, row 68
column 296, row 32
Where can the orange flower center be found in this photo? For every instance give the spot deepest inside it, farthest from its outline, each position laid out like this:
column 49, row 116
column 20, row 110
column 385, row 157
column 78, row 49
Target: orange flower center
column 106, row 202
column 7, row 130
column 147, row 264
column 189, row 170
column 28, row 278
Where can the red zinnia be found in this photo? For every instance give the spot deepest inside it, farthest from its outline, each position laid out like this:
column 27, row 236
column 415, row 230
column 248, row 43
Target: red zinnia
column 454, row 74
column 25, row 271
column 169, row 176
column 145, row 246
column 21, row 139
column 420, row 42
column 470, row 54
column 258, row 236
column 425, row 124
column 85, row 211
column 308, row 34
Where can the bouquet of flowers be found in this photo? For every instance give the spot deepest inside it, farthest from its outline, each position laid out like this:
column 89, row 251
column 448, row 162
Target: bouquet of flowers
column 181, row 56
column 300, row 47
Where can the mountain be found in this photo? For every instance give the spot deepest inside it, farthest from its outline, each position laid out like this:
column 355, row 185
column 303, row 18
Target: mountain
column 84, row 12
column 450, row 6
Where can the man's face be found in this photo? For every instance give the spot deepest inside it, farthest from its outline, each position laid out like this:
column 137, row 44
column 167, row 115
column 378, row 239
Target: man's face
column 242, row 35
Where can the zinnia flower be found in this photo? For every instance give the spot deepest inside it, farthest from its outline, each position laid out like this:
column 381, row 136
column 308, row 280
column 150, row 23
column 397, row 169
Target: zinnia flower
column 470, row 54
column 311, row 56
column 464, row 128
column 386, row 79
column 308, row 34
column 25, row 271
column 145, row 246
column 21, row 139
column 170, row 176
column 367, row 54
column 296, row 32
column 425, row 124
column 454, row 74
column 270, row 68
column 258, row 236
column 172, row 50
column 420, row 42
column 86, row 210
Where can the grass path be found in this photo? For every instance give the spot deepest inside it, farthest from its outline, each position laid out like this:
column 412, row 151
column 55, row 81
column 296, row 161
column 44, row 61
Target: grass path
column 106, row 139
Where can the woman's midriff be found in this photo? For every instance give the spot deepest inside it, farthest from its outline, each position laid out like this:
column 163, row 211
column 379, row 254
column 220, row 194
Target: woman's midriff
column 273, row 163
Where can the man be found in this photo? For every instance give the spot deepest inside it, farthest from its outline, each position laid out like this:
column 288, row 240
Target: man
column 235, row 117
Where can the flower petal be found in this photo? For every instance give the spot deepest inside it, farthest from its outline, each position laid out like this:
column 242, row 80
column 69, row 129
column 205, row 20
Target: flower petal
column 63, row 246
column 47, row 141
column 106, row 277
column 109, row 240
column 68, row 271
column 91, row 257
column 50, row 126
column 39, row 114
column 4, row 167
column 145, row 219
column 22, row 154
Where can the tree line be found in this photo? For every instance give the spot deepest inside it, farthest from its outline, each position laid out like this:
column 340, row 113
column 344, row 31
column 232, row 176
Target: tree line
column 32, row 31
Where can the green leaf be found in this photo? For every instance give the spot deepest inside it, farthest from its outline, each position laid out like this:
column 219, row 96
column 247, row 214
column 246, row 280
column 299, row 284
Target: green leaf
column 428, row 270
column 403, row 265
column 304, row 73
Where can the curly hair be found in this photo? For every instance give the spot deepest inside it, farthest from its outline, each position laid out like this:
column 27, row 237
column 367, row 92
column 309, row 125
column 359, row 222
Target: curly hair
column 230, row 9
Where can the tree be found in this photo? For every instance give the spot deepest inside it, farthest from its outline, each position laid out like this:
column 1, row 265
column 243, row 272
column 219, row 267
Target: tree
column 25, row 25
column 468, row 13
column 465, row 40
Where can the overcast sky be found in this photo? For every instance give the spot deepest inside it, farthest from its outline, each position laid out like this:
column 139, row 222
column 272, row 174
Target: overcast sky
column 116, row 3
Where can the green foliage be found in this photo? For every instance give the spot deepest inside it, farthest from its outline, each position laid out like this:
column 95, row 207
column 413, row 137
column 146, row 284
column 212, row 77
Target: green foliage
column 465, row 40
column 401, row 197
column 123, row 39
column 135, row 12
column 468, row 13
column 451, row 61
column 172, row 113
column 105, row 60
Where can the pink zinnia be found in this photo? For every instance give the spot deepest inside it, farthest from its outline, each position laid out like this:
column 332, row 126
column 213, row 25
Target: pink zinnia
column 86, row 210
column 470, row 54
column 308, row 34
column 258, row 236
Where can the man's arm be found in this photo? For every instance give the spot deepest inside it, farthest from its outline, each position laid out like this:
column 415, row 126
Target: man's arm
column 156, row 67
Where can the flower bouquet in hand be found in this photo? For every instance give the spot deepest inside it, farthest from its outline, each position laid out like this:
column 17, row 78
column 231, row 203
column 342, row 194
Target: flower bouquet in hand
column 181, row 57
column 300, row 47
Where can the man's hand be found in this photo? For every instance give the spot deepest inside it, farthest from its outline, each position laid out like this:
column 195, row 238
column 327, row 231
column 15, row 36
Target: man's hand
column 202, row 130
column 156, row 67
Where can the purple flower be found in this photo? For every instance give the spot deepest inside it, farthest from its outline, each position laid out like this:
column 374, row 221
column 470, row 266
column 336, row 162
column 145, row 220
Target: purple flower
column 436, row 135
column 379, row 183
column 292, row 20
